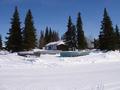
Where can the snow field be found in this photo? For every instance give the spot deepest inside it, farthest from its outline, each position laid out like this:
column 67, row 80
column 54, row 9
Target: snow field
column 97, row 71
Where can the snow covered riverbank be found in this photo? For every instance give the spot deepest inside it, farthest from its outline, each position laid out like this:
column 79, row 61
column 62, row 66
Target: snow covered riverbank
column 97, row 71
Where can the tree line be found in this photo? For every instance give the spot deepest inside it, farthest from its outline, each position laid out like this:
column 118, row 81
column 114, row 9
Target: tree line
column 108, row 39
column 46, row 36
column 19, row 39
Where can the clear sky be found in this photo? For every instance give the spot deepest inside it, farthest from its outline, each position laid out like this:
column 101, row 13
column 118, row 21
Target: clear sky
column 54, row 13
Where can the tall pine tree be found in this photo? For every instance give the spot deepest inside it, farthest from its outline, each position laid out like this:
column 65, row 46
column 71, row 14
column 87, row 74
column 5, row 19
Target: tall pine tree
column 107, row 36
column 69, row 34
column 117, row 38
column 46, row 36
column 55, row 36
column 41, row 40
column 14, row 39
column 50, row 35
column 29, row 32
column 74, row 39
column 96, row 43
column 81, row 40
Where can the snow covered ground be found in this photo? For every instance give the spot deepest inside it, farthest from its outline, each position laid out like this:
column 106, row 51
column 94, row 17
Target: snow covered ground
column 96, row 71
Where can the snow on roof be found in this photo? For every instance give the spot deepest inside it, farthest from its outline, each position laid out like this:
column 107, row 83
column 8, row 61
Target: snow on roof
column 55, row 43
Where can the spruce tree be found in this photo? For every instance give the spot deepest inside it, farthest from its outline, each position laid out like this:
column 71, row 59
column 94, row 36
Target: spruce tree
column 41, row 40
column 0, row 42
column 74, row 41
column 69, row 34
column 46, row 36
column 107, row 36
column 81, row 40
column 117, row 38
column 96, row 43
column 55, row 36
column 50, row 35
column 14, row 39
column 29, row 32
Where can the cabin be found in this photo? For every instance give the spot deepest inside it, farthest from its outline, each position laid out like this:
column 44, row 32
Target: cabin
column 58, row 45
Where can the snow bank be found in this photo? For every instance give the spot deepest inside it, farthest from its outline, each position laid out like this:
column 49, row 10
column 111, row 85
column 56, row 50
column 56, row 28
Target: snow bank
column 94, row 57
column 4, row 52
column 50, row 60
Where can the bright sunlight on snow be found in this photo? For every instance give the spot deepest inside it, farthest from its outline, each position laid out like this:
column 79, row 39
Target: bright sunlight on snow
column 96, row 71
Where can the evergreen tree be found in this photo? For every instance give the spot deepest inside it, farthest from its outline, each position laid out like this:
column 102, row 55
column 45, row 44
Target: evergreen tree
column 55, row 36
column 74, row 41
column 14, row 39
column 117, row 38
column 107, row 36
column 50, row 35
column 41, row 40
column 46, row 36
column 63, row 37
column 29, row 32
column 81, row 40
column 0, row 42
column 96, row 43
column 69, row 34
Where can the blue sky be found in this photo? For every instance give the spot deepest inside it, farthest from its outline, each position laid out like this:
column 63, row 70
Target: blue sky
column 54, row 13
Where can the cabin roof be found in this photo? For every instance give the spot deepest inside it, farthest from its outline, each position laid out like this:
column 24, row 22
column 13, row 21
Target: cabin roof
column 55, row 43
